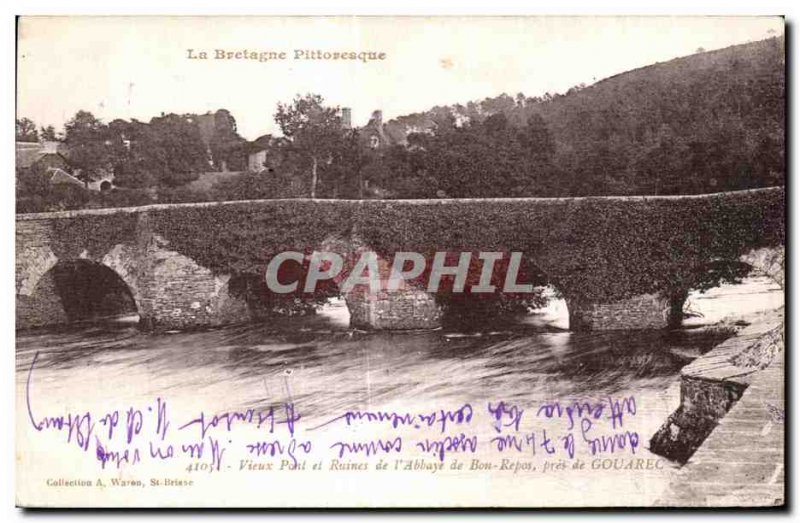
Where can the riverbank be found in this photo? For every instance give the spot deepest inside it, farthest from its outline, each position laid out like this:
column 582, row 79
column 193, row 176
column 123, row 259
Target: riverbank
column 729, row 428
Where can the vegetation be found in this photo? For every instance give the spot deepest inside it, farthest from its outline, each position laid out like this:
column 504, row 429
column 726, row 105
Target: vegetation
column 149, row 161
column 26, row 130
column 582, row 246
column 705, row 123
column 314, row 134
column 709, row 122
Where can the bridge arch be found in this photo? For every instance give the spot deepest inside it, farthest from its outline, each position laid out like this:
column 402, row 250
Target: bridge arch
column 78, row 289
column 412, row 306
column 470, row 310
column 409, row 307
column 757, row 263
column 769, row 261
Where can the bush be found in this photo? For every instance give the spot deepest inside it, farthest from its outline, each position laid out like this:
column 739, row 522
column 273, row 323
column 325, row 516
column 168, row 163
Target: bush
column 256, row 186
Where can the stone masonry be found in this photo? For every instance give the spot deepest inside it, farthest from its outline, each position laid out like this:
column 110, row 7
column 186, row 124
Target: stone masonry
column 742, row 460
column 170, row 290
column 405, row 309
column 648, row 311
column 710, row 386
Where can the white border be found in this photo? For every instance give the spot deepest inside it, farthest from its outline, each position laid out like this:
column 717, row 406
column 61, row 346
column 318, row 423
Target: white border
column 10, row 8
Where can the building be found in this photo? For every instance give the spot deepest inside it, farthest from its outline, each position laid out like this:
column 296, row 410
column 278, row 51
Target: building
column 263, row 154
column 41, row 156
column 104, row 183
column 347, row 117
column 59, row 176
column 257, row 160
column 374, row 132
column 51, row 160
column 207, row 124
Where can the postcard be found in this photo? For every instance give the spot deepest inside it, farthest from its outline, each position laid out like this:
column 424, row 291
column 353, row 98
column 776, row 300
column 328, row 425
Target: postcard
column 418, row 262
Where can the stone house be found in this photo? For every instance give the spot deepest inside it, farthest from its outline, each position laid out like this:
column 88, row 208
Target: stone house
column 51, row 159
column 263, row 154
column 42, row 156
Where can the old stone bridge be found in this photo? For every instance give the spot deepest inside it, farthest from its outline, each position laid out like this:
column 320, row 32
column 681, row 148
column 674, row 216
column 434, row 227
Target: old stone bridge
column 620, row 262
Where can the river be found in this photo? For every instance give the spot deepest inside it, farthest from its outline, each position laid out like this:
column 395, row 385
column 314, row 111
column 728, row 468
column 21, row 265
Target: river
column 325, row 369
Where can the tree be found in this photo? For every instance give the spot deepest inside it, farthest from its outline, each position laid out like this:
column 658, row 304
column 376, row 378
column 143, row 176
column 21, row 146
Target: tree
column 31, row 183
column 26, row 130
column 250, row 185
column 86, row 139
column 176, row 154
column 347, row 173
column 167, row 152
column 488, row 158
column 132, row 154
column 696, row 124
column 315, row 133
column 48, row 134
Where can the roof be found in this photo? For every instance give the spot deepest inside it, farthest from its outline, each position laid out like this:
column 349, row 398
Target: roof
column 60, row 176
column 28, row 153
column 264, row 143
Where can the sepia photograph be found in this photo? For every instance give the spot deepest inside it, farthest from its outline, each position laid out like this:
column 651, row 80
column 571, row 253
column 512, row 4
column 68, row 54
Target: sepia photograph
column 400, row 262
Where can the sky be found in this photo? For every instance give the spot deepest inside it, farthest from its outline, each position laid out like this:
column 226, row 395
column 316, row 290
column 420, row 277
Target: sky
column 138, row 67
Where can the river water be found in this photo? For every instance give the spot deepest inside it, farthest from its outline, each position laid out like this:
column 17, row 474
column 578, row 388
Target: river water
column 324, row 369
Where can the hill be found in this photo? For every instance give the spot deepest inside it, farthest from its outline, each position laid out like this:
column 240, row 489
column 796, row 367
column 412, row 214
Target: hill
column 708, row 122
